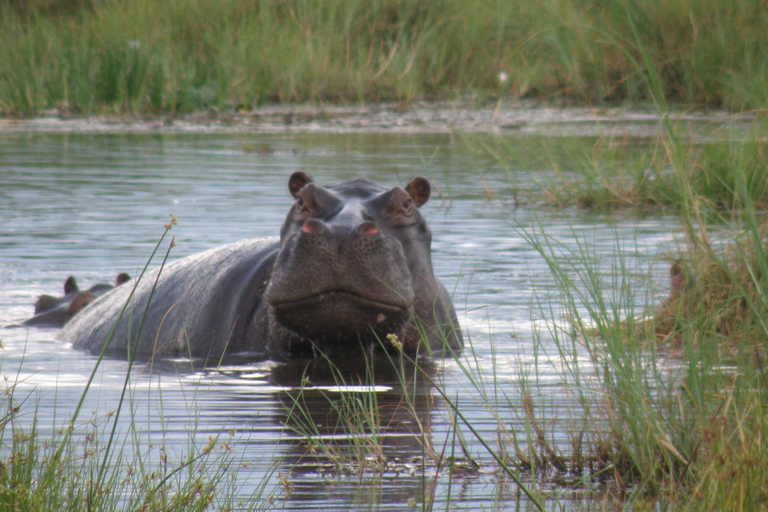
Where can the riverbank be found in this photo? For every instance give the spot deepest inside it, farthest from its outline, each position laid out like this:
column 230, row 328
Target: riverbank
column 182, row 56
column 508, row 117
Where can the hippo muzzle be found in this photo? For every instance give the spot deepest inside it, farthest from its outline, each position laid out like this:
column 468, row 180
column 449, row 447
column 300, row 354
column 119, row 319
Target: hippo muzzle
column 341, row 279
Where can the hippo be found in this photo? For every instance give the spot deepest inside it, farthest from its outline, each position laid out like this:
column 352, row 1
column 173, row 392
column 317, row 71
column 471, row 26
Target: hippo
column 54, row 311
column 47, row 302
column 351, row 268
column 101, row 288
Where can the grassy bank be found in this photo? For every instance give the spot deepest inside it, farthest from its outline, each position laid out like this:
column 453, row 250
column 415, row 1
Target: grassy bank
column 680, row 427
column 711, row 170
column 140, row 56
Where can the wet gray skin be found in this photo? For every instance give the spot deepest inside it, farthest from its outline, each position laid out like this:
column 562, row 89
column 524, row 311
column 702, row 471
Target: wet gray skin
column 353, row 265
column 52, row 311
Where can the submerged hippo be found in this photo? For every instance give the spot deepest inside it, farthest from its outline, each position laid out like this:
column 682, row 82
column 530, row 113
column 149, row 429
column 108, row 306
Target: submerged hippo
column 353, row 264
column 47, row 302
column 56, row 311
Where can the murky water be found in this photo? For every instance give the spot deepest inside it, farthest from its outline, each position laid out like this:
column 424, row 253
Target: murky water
column 94, row 204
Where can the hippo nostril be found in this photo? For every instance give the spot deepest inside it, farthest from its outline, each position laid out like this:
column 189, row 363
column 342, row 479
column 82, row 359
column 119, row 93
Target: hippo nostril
column 367, row 229
column 314, row 227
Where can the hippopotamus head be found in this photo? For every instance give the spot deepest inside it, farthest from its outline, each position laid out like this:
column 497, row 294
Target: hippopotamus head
column 47, row 302
column 354, row 261
column 56, row 311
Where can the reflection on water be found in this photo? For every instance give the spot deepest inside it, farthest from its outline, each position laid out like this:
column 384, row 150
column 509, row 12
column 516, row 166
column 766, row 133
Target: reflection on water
column 93, row 205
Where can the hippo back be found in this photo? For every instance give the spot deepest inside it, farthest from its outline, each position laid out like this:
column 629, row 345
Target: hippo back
column 201, row 305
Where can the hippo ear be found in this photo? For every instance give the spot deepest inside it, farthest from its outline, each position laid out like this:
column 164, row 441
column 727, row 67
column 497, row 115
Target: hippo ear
column 419, row 190
column 70, row 285
column 298, row 181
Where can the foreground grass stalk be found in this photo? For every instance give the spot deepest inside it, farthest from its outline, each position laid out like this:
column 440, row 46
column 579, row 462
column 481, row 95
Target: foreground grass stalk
column 65, row 440
column 499, row 460
column 131, row 359
column 455, row 410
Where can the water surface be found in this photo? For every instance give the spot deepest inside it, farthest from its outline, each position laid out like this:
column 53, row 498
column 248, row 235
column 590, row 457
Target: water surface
column 94, row 204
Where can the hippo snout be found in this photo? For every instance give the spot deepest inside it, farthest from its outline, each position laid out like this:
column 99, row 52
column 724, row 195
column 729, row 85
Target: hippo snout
column 331, row 281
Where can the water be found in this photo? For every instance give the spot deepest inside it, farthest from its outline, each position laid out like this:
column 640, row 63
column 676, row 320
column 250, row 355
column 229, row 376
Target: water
column 94, row 204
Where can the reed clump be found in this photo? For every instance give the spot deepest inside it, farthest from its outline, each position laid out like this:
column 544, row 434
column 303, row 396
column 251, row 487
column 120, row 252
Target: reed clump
column 681, row 430
column 720, row 295
column 663, row 174
column 675, row 432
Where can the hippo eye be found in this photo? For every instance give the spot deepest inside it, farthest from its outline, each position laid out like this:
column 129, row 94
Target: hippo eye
column 300, row 203
column 407, row 204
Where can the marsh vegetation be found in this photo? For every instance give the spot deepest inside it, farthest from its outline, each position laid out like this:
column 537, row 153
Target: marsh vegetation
column 178, row 56
column 616, row 326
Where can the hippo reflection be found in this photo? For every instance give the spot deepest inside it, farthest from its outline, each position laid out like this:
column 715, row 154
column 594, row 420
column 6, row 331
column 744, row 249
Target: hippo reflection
column 352, row 265
column 362, row 413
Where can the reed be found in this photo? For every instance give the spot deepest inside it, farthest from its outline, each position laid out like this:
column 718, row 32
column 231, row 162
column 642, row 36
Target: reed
column 668, row 431
column 148, row 56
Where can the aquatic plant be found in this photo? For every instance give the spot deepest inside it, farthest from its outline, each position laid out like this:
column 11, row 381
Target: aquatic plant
column 660, row 419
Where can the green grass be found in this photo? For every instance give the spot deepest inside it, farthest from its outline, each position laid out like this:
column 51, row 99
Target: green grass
column 176, row 56
column 671, row 433
column 678, row 426
column 666, row 173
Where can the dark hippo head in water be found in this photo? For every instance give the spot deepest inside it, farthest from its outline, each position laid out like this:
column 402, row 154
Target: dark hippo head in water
column 352, row 259
column 53, row 311
column 47, row 302
column 353, row 265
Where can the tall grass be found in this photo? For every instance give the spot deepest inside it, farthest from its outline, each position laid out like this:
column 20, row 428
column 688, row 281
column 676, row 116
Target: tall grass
column 135, row 56
column 669, row 432
column 693, row 167
column 669, row 424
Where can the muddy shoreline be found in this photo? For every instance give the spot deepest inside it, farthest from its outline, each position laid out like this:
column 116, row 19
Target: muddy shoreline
column 501, row 118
